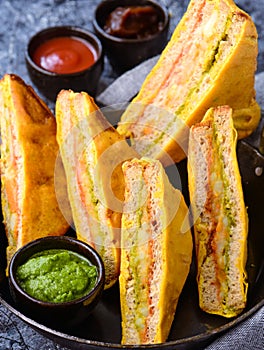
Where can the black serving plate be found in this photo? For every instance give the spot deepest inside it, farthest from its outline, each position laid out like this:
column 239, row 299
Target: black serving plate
column 192, row 328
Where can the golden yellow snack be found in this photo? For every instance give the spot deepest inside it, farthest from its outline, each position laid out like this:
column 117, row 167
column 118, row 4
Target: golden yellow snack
column 209, row 61
column 220, row 217
column 156, row 252
column 92, row 153
column 28, row 156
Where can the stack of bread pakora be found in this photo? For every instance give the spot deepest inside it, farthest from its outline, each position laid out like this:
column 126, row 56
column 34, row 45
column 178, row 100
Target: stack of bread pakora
column 195, row 102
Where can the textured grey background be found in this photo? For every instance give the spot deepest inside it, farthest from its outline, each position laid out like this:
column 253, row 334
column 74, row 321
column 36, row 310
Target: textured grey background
column 20, row 19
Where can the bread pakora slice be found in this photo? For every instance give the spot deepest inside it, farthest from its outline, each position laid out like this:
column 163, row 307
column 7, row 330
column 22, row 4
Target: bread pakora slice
column 156, row 252
column 220, row 217
column 29, row 151
column 209, row 61
column 92, row 153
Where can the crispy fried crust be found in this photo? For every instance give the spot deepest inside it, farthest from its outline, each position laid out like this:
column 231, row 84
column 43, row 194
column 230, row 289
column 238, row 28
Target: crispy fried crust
column 92, row 153
column 28, row 156
column 209, row 61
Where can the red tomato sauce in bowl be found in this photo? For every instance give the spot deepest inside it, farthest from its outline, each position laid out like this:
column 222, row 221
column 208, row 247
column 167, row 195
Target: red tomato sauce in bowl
column 65, row 55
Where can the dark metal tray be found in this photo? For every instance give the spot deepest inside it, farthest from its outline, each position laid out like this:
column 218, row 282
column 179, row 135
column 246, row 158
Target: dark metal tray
column 192, row 328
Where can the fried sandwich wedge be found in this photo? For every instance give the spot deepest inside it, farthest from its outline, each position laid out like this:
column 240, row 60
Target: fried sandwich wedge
column 156, row 252
column 92, row 153
column 220, row 216
column 209, row 61
column 29, row 152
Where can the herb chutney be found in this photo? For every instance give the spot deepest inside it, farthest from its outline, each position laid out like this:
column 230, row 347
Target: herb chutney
column 57, row 275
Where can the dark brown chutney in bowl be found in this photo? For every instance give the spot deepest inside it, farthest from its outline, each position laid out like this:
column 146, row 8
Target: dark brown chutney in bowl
column 56, row 280
column 131, row 31
column 64, row 57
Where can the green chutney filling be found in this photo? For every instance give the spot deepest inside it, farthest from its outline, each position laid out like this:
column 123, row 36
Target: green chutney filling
column 57, row 275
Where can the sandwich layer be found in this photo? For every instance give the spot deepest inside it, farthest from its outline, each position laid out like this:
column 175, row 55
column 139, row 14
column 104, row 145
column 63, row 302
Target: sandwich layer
column 220, row 218
column 92, row 153
column 28, row 156
column 156, row 253
column 209, row 61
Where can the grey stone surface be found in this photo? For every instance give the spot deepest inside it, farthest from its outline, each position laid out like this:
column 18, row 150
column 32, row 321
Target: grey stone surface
column 22, row 18
column 19, row 20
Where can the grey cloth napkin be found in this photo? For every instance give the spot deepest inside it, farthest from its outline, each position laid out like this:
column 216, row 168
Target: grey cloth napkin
column 248, row 335
column 127, row 85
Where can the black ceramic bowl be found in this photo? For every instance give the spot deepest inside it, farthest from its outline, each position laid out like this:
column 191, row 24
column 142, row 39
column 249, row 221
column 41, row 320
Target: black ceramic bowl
column 125, row 53
column 50, row 83
column 63, row 315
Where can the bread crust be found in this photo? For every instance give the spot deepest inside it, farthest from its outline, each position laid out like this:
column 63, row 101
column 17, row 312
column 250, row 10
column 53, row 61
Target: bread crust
column 156, row 252
column 220, row 217
column 29, row 152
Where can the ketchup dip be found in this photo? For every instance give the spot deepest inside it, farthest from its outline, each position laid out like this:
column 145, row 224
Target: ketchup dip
column 65, row 55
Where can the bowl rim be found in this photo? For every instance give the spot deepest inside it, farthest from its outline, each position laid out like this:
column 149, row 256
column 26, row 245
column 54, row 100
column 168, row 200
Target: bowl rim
column 75, row 31
column 69, row 240
column 113, row 38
